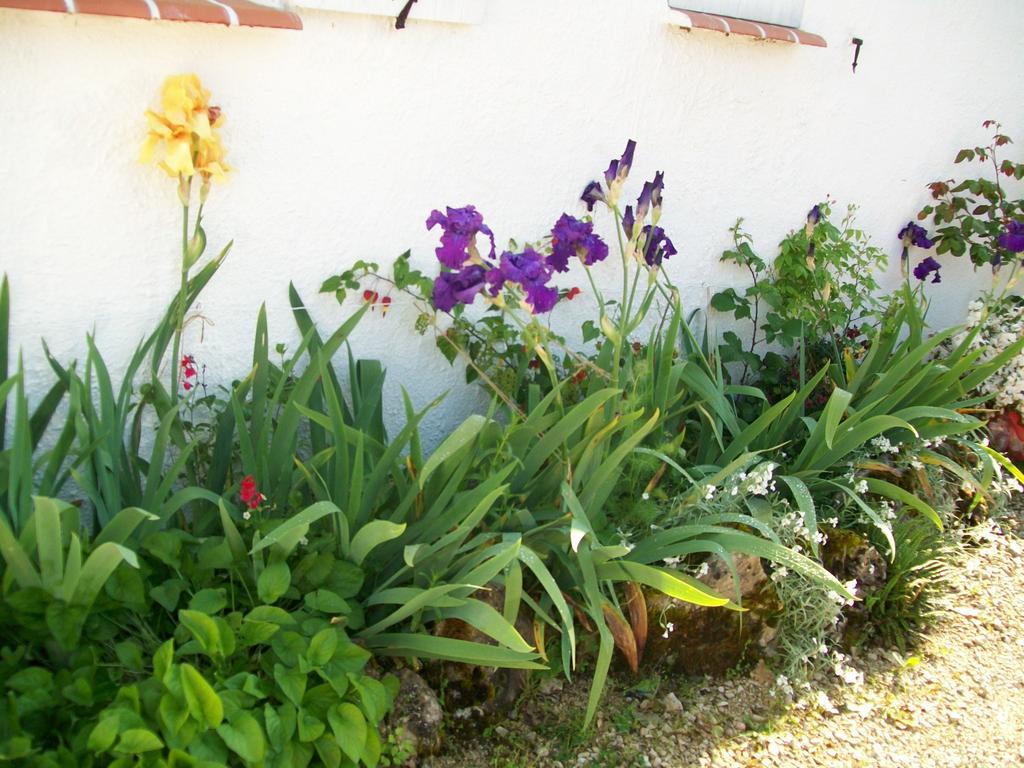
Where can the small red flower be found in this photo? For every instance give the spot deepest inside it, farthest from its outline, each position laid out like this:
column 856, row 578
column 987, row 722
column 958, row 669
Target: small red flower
column 189, row 373
column 385, row 305
column 572, row 294
column 370, row 297
column 249, row 494
column 580, row 375
column 535, row 363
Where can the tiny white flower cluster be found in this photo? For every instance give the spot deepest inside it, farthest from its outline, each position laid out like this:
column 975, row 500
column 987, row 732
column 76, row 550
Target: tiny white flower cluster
column 784, row 686
column 780, row 573
column 844, row 671
column 792, row 523
column 757, row 482
column 669, row 629
column 1005, row 485
column 672, row 562
column 861, row 487
column 933, row 442
column 1000, row 326
column 883, row 444
column 851, row 587
column 916, row 464
column 703, row 570
column 709, row 492
column 624, row 539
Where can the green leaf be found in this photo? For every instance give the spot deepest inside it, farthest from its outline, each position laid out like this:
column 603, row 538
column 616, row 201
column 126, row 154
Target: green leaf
column 326, row 601
column 122, row 525
column 665, row 581
column 293, row 524
column 209, row 601
column 101, row 738
column 459, row 439
column 204, row 704
column 244, row 736
column 450, row 649
column 204, row 629
column 372, row 535
column 311, row 727
column 894, row 492
column 291, row 682
column 349, row 727
column 274, row 582
column 137, row 740
column 168, row 594
column 322, row 646
column 805, row 503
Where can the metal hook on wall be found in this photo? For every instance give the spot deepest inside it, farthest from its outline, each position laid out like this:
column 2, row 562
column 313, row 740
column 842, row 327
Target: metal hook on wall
column 403, row 15
column 856, row 52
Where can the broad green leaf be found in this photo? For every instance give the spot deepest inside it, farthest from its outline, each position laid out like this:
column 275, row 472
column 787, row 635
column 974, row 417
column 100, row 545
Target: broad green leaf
column 805, row 503
column 244, row 736
column 137, row 740
column 666, row 581
column 204, row 704
column 461, row 437
column 301, row 521
column 322, row 646
column 204, row 629
column 273, row 582
column 894, row 492
column 123, row 525
column 450, row 649
column 349, row 727
column 373, row 534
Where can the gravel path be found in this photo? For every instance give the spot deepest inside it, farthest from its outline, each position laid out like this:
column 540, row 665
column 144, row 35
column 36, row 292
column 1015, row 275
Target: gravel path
column 956, row 700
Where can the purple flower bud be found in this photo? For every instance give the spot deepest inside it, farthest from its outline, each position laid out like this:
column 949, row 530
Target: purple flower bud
column 592, row 194
column 628, row 222
column 814, row 216
column 1013, row 238
column 618, row 170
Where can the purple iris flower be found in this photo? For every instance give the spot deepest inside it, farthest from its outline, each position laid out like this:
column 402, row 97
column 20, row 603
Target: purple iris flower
column 532, row 272
column 926, row 267
column 451, row 288
column 572, row 237
column 592, row 194
column 912, row 234
column 460, row 226
column 814, row 216
column 618, row 170
column 1013, row 238
column 657, row 246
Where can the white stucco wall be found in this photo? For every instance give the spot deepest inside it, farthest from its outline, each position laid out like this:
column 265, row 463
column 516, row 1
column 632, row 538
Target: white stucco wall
column 347, row 134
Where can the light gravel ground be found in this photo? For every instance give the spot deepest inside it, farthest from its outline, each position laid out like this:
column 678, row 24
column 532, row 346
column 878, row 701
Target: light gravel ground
column 955, row 700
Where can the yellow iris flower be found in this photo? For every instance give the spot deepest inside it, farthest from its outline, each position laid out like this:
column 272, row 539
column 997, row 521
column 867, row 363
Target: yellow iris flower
column 184, row 136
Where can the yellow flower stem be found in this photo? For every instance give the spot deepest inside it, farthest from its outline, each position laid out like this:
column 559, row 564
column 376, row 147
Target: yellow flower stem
column 183, row 289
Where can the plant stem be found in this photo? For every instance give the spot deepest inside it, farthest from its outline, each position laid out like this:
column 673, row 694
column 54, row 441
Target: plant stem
column 180, row 304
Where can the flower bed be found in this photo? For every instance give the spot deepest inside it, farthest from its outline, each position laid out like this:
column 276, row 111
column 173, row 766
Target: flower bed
column 249, row 586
